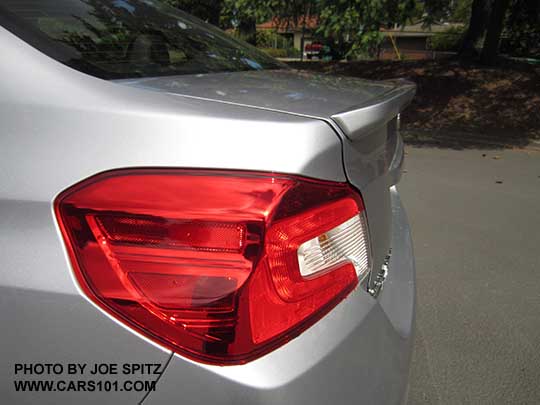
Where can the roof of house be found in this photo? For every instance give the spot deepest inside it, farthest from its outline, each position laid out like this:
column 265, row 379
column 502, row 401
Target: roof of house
column 312, row 22
column 289, row 25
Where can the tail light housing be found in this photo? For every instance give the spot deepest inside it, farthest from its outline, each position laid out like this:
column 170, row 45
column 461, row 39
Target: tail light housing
column 221, row 267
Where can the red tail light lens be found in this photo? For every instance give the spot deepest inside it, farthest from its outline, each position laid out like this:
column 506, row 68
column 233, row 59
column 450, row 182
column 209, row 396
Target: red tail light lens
column 207, row 262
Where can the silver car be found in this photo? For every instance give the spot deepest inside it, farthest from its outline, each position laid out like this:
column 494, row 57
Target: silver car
column 186, row 220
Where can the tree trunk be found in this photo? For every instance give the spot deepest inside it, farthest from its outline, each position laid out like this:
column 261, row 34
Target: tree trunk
column 477, row 27
column 494, row 30
column 305, row 16
column 247, row 29
column 214, row 13
column 302, row 40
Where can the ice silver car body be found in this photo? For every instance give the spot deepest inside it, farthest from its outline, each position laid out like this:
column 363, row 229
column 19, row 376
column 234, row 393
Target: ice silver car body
column 60, row 126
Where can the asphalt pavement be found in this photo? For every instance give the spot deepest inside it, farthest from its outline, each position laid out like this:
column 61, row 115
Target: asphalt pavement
column 475, row 218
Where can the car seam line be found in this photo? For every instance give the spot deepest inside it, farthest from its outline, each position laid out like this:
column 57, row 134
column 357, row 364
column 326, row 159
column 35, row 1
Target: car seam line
column 165, row 366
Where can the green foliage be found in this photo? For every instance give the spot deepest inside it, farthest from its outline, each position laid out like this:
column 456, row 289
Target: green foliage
column 436, row 11
column 460, row 11
column 449, row 40
column 350, row 27
column 243, row 15
column 366, row 46
column 206, row 10
column 282, row 52
column 521, row 36
column 271, row 39
column 234, row 12
column 265, row 39
column 293, row 53
column 275, row 52
column 355, row 24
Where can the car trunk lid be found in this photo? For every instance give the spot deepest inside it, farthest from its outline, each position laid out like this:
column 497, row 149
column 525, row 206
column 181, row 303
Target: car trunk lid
column 363, row 113
column 356, row 105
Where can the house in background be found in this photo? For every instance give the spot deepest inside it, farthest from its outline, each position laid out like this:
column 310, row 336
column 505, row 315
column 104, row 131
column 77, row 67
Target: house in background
column 410, row 41
column 291, row 31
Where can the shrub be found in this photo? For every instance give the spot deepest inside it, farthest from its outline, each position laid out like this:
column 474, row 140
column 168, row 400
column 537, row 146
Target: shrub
column 275, row 52
column 292, row 53
column 270, row 39
column 449, row 40
column 521, row 35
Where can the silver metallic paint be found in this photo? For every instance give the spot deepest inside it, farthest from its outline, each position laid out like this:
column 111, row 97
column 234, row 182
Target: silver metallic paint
column 359, row 352
column 297, row 92
column 60, row 126
column 358, row 110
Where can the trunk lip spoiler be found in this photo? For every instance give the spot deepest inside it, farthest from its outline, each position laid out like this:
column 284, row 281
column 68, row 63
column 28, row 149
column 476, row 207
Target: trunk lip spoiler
column 359, row 120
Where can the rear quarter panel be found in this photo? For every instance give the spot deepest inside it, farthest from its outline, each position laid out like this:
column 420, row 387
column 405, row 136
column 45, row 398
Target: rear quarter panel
column 58, row 127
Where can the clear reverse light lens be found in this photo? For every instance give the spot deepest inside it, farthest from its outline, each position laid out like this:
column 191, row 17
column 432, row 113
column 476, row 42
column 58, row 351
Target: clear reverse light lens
column 347, row 242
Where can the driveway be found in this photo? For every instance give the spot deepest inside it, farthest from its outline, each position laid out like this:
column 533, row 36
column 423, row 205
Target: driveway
column 476, row 227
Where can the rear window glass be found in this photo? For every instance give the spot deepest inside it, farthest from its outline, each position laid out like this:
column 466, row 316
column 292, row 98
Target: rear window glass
column 119, row 39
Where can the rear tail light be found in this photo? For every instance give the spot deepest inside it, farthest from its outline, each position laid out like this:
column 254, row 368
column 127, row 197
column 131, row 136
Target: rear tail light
column 221, row 267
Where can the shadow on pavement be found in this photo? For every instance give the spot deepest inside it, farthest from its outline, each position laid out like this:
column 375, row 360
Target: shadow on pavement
column 457, row 105
column 465, row 140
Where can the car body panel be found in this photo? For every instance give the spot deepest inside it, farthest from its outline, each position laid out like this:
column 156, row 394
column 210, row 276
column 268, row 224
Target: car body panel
column 354, row 104
column 41, row 327
column 358, row 110
column 60, row 126
column 362, row 112
column 287, row 90
column 360, row 352
column 54, row 136
column 91, row 125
